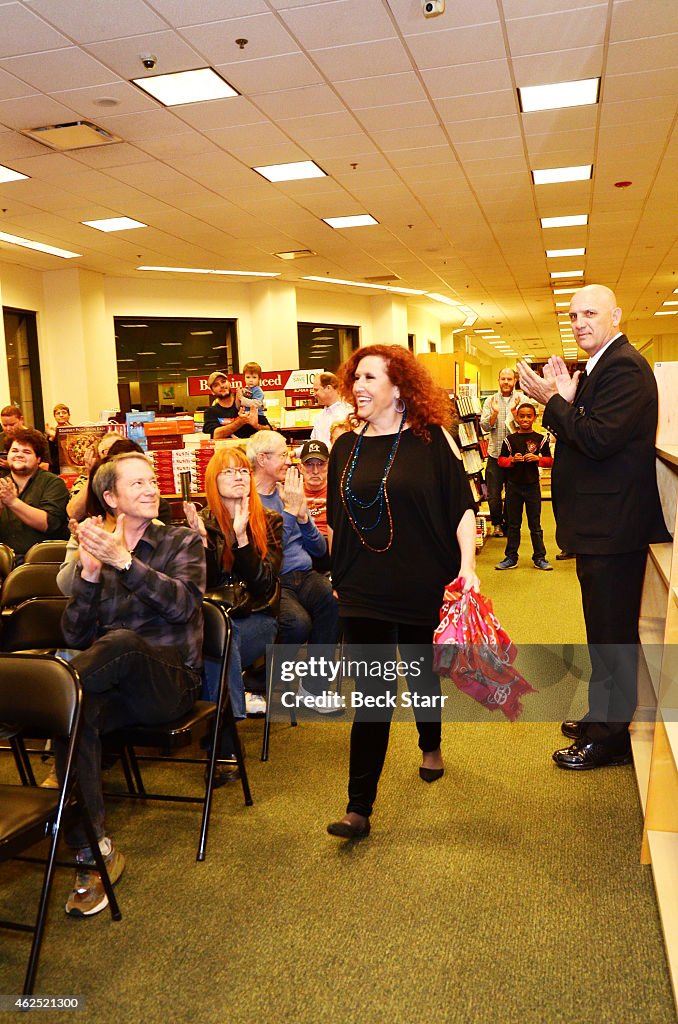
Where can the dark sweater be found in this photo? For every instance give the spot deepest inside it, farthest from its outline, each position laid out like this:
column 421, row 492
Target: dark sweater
column 525, row 473
column 428, row 493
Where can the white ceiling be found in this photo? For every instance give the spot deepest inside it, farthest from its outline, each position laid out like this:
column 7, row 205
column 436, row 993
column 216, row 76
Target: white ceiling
column 416, row 121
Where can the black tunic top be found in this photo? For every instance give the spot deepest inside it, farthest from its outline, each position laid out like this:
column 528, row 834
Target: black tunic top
column 428, row 493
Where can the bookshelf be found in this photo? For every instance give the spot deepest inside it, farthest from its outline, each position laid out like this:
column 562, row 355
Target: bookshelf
column 471, row 445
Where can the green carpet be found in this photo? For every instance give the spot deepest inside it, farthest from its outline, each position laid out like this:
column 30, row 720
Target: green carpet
column 507, row 893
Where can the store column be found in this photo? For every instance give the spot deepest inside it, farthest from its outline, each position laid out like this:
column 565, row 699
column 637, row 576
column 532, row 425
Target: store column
column 389, row 320
column 274, row 341
column 77, row 344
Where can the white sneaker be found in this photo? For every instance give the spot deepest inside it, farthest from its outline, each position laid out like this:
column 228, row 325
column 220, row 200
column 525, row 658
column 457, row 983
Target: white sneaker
column 255, row 704
column 326, row 703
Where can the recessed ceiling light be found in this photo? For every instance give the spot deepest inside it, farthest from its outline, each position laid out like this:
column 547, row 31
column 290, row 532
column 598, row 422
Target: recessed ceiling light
column 186, row 87
column 666, row 312
column 441, row 298
column 363, row 284
column 483, row 330
column 560, row 94
column 567, row 273
column 202, row 270
column 552, row 175
column 553, row 253
column 576, row 220
column 7, row 174
column 171, row 344
column 290, row 172
column 147, row 353
column 125, row 360
column 114, row 224
column 295, row 254
column 670, row 303
column 562, row 305
column 134, row 325
column 196, row 334
column 565, row 291
column 360, row 221
column 28, row 243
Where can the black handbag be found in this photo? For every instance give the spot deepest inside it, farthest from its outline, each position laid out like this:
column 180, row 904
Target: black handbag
column 235, row 597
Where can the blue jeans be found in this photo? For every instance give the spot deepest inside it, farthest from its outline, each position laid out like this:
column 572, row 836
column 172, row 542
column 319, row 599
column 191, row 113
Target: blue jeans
column 248, row 642
column 309, row 612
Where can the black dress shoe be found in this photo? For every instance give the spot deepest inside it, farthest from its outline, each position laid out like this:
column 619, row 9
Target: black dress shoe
column 572, row 729
column 562, row 556
column 581, row 757
column 349, row 830
column 223, row 774
column 431, row 774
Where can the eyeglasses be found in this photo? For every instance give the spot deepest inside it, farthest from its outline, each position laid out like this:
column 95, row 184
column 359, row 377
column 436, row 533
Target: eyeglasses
column 234, row 471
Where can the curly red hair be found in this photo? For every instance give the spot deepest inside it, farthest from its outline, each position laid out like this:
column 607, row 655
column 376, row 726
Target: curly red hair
column 222, row 459
column 425, row 401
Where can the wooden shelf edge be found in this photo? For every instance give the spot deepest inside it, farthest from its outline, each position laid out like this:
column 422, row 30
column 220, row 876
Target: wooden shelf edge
column 642, row 734
column 668, row 452
column 670, row 719
column 661, row 556
column 664, row 851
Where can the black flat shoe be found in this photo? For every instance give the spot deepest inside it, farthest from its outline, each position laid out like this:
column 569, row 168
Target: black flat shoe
column 431, row 774
column 572, row 729
column 223, row 774
column 345, row 829
column 581, row 757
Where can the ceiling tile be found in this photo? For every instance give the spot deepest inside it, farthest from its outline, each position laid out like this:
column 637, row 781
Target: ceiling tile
column 397, row 115
column 457, row 46
column 18, row 25
column 313, row 99
column 641, row 84
column 342, row 22
column 123, row 55
column 216, row 41
column 268, row 74
column 644, row 55
column 86, row 22
column 564, row 66
column 409, row 138
column 467, row 79
column 34, row 112
column 546, row 32
column 382, row 90
column 486, row 104
column 196, row 12
column 66, row 68
column 655, row 18
column 362, row 60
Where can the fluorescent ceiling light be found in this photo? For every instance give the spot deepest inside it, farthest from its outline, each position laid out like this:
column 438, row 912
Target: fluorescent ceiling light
column 28, row 243
column 483, row 330
column 290, row 172
column 114, row 224
column 171, row 344
column 363, row 284
column 575, row 221
column 196, row 334
column 666, row 312
column 134, row 325
column 441, row 298
column 202, row 270
column 553, row 253
column 567, row 273
column 670, row 303
column 551, row 175
column 560, row 94
column 147, row 353
column 562, row 305
column 565, row 291
column 360, row 221
column 186, row 87
column 7, row 174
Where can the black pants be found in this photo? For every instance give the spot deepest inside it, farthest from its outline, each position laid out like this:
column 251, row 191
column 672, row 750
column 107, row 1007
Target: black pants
column 370, row 731
column 611, row 588
column 529, row 496
column 495, row 479
column 125, row 681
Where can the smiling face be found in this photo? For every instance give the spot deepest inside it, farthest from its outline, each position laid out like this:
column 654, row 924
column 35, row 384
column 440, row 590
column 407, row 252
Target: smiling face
column 525, row 417
column 62, row 415
column 21, row 459
column 373, row 390
column 507, row 382
column 136, row 491
column 221, row 389
column 595, row 317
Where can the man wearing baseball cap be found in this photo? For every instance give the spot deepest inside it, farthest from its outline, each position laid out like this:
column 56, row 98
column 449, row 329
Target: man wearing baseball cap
column 313, row 459
column 223, row 419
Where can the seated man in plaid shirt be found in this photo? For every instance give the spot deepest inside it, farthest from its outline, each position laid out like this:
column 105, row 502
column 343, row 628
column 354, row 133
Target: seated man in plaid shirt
column 135, row 617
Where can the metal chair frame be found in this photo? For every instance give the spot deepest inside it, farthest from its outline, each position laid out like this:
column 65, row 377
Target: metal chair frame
column 39, row 691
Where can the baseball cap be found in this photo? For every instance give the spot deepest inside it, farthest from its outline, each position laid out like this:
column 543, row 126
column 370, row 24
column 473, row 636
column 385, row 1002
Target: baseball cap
column 314, row 450
column 213, row 376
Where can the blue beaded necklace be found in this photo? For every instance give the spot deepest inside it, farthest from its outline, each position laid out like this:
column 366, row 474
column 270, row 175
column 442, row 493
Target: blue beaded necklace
column 379, row 503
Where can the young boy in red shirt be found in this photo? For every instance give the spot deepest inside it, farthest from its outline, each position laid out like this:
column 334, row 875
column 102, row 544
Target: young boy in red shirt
column 522, row 453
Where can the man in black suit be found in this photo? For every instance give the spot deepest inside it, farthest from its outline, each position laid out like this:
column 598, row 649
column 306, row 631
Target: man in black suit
column 607, row 509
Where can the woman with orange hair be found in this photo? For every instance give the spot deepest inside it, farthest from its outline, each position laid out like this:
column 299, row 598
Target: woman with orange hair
column 403, row 523
column 243, row 545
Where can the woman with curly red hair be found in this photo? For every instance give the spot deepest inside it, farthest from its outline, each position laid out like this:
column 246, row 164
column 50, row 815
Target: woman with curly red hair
column 243, row 543
column 403, row 524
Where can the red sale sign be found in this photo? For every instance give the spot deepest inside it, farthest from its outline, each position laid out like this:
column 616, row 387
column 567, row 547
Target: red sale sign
column 271, row 380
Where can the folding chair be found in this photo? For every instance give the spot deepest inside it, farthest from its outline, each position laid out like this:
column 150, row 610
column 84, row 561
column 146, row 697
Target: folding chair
column 6, row 560
column 41, row 692
column 46, row 551
column 183, row 731
column 33, row 627
column 38, row 580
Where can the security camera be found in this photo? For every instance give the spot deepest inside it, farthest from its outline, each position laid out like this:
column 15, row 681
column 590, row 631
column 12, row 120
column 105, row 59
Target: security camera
column 149, row 60
column 432, row 8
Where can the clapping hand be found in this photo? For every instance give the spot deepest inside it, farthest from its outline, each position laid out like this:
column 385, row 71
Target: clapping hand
column 103, row 547
column 294, row 499
column 7, row 492
column 240, row 520
column 195, row 521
